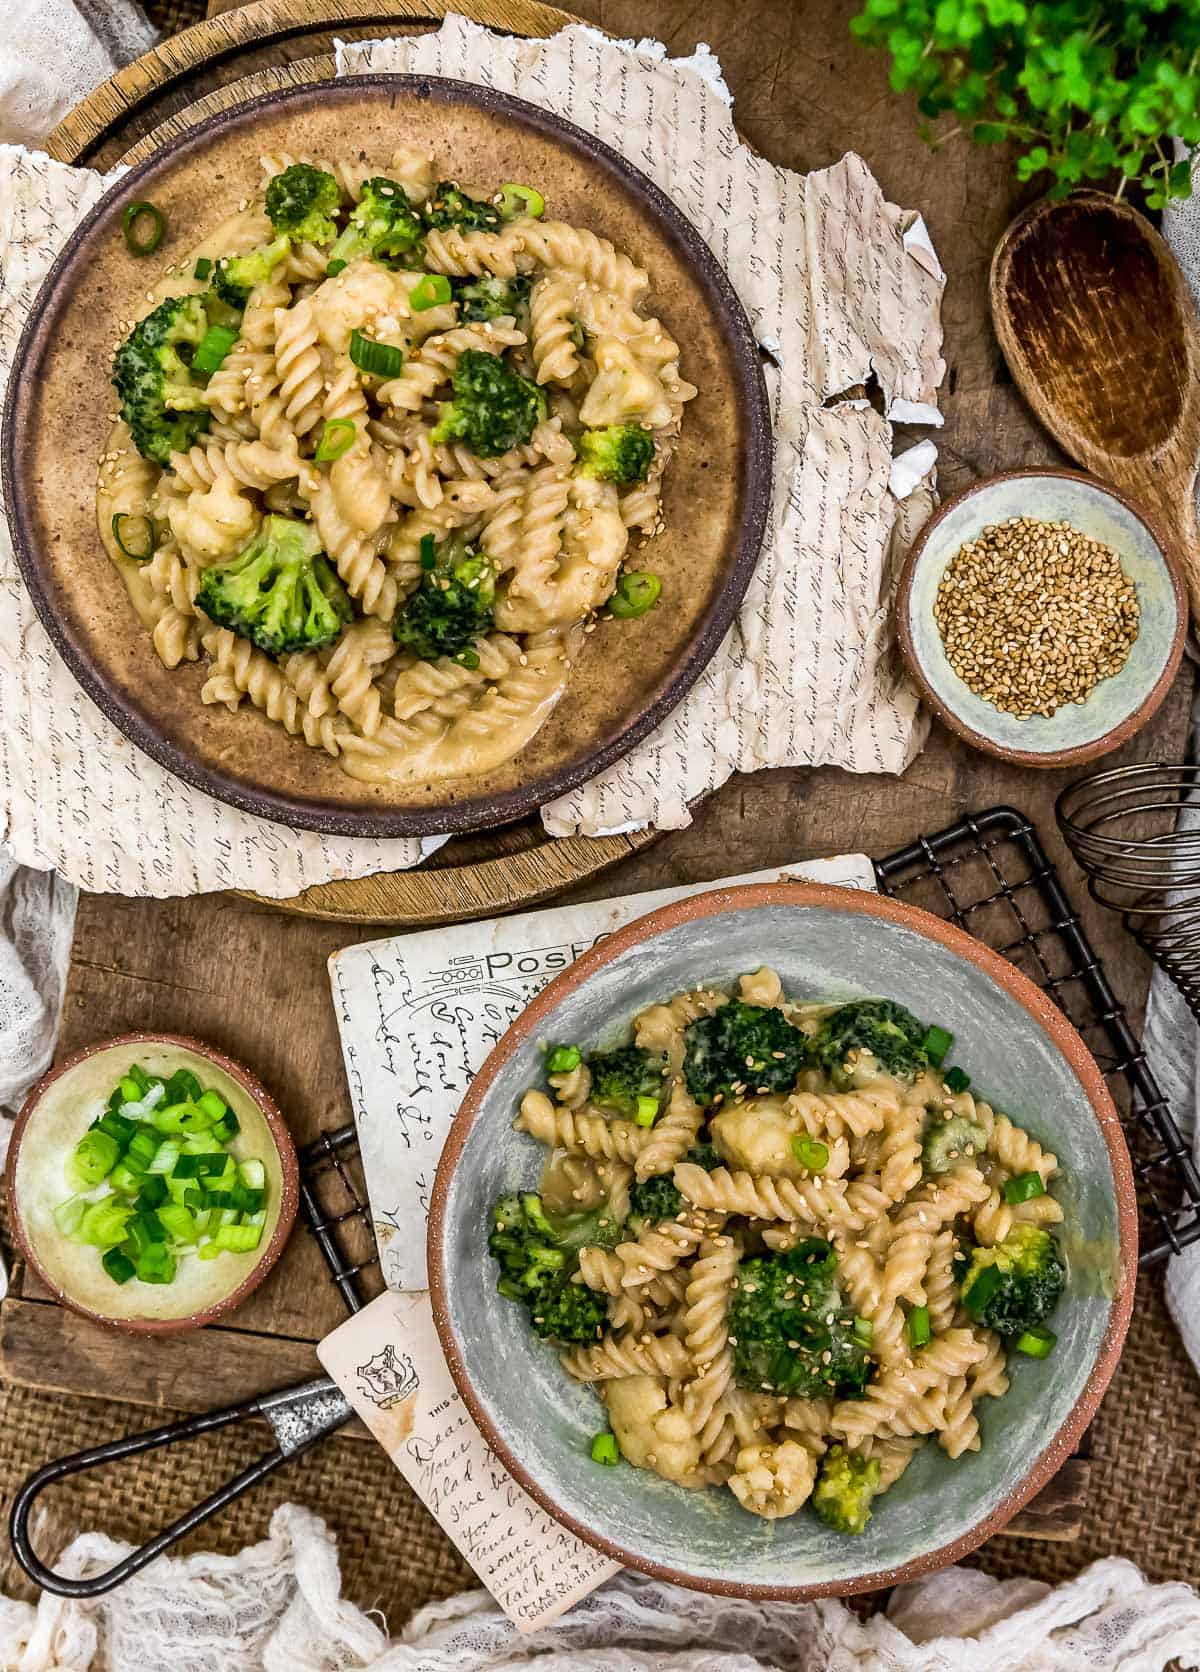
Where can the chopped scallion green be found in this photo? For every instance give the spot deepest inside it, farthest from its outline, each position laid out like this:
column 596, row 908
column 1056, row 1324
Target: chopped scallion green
column 918, row 1326
column 144, row 225
column 563, row 1059
column 937, row 1043
column 375, row 358
column 336, row 438
column 811, row 1153
column 1038, row 1342
column 604, row 1449
column 1023, row 1188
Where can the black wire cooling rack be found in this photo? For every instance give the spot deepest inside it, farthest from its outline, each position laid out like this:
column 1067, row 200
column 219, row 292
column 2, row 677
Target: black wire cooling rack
column 991, row 876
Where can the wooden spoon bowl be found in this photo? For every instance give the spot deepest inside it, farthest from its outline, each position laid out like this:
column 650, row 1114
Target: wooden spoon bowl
column 1101, row 335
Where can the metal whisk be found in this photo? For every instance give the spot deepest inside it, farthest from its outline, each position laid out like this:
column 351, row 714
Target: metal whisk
column 1152, row 878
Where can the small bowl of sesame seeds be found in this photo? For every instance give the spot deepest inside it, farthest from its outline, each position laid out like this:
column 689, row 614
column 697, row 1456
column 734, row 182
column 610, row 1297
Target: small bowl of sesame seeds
column 1042, row 615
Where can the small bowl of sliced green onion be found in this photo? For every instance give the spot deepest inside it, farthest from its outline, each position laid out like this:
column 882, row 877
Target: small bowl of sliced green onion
column 152, row 1182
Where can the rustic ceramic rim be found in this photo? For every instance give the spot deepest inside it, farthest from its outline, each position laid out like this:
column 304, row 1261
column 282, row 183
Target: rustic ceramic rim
column 289, row 1189
column 470, row 813
column 1005, row 975
column 1119, row 733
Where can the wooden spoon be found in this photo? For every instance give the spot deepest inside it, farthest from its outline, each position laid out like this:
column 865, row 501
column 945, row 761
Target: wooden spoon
column 1102, row 338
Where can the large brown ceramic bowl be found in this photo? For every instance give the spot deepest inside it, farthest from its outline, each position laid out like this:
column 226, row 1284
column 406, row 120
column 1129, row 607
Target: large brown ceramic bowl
column 58, row 413
column 1021, row 1052
column 56, row 1114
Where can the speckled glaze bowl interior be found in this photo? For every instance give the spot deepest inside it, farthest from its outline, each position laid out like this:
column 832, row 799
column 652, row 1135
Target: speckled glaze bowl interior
column 1117, row 707
column 59, row 1111
column 1020, row 1051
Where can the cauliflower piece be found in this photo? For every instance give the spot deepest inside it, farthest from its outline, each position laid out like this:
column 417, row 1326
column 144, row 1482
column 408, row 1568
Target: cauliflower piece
column 214, row 524
column 756, row 1136
column 622, row 390
column 651, row 1432
column 774, row 1480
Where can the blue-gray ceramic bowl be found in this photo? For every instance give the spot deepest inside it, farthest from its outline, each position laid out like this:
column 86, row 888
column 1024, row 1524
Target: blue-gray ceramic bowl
column 1116, row 708
column 1020, row 1050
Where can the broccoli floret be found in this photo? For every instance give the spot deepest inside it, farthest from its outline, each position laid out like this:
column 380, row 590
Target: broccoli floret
column 160, row 400
column 846, row 1483
column 452, row 607
column 655, row 1199
column 278, row 592
column 447, row 205
column 490, row 297
column 1016, row 1284
column 876, row 1027
column 621, row 1078
column 538, row 1256
column 493, row 408
column 383, row 224
column 949, row 1141
column 790, row 1331
column 235, row 276
column 620, row 453
column 302, row 202
column 742, row 1045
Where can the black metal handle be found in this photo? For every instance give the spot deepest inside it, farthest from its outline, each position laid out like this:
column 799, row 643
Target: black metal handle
column 130, row 1446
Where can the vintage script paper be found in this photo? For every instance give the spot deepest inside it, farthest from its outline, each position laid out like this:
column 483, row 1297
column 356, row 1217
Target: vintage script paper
column 388, row 1362
column 418, row 1014
column 837, row 282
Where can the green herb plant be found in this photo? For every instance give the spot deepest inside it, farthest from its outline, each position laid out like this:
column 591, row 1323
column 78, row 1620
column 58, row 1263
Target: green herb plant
column 1088, row 89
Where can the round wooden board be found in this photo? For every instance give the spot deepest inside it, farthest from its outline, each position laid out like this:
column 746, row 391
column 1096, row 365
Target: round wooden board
column 217, row 63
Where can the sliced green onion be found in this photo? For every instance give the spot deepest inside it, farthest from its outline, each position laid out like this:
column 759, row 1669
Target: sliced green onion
column 811, row 1153
column 431, row 291
column 117, row 1126
column 563, row 1059
column 182, row 1087
column 69, row 1214
column 918, row 1326
column 212, row 1103
column 96, row 1154
column 636, row 593
column 252, row 1174
column 864, row 1331
column 333, row 268
column 467, row 659
column 164, row 1157
column 143, row 225
column 137, row 537
column 202, row 268
column 521, row 200
column 130, row 1089
column 1023, row 1188
column 238, row 1239
column 124, row 1180
column 375, row 358
column 604, row 1449
column 956, row 1081
column 1038, row 1342
column 336, row 438
column 118, row 1266
column 156, row 1264
column 206, row 1164
column 103, row 1224
column 428, row 552
column 180, row 1223
column 227, row 1128
column 647, row 1111
column 143, row 1147
column 153, row 1192
column 982, row 1289
column 937, row 1043
column 212, row 348
column 209, row 1251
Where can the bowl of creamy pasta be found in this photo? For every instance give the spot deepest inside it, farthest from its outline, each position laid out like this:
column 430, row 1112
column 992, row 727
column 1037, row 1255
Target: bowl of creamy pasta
column 814, row 1235
column 386, row 456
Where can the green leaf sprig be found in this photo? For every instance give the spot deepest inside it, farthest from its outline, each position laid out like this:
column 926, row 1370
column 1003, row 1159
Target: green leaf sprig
column 1089, row 89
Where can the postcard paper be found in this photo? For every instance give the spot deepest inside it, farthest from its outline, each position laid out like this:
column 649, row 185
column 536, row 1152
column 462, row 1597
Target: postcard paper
column 388, row 1362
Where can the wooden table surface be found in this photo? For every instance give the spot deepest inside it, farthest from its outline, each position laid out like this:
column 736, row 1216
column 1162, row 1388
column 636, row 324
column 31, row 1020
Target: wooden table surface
column 254, row 981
